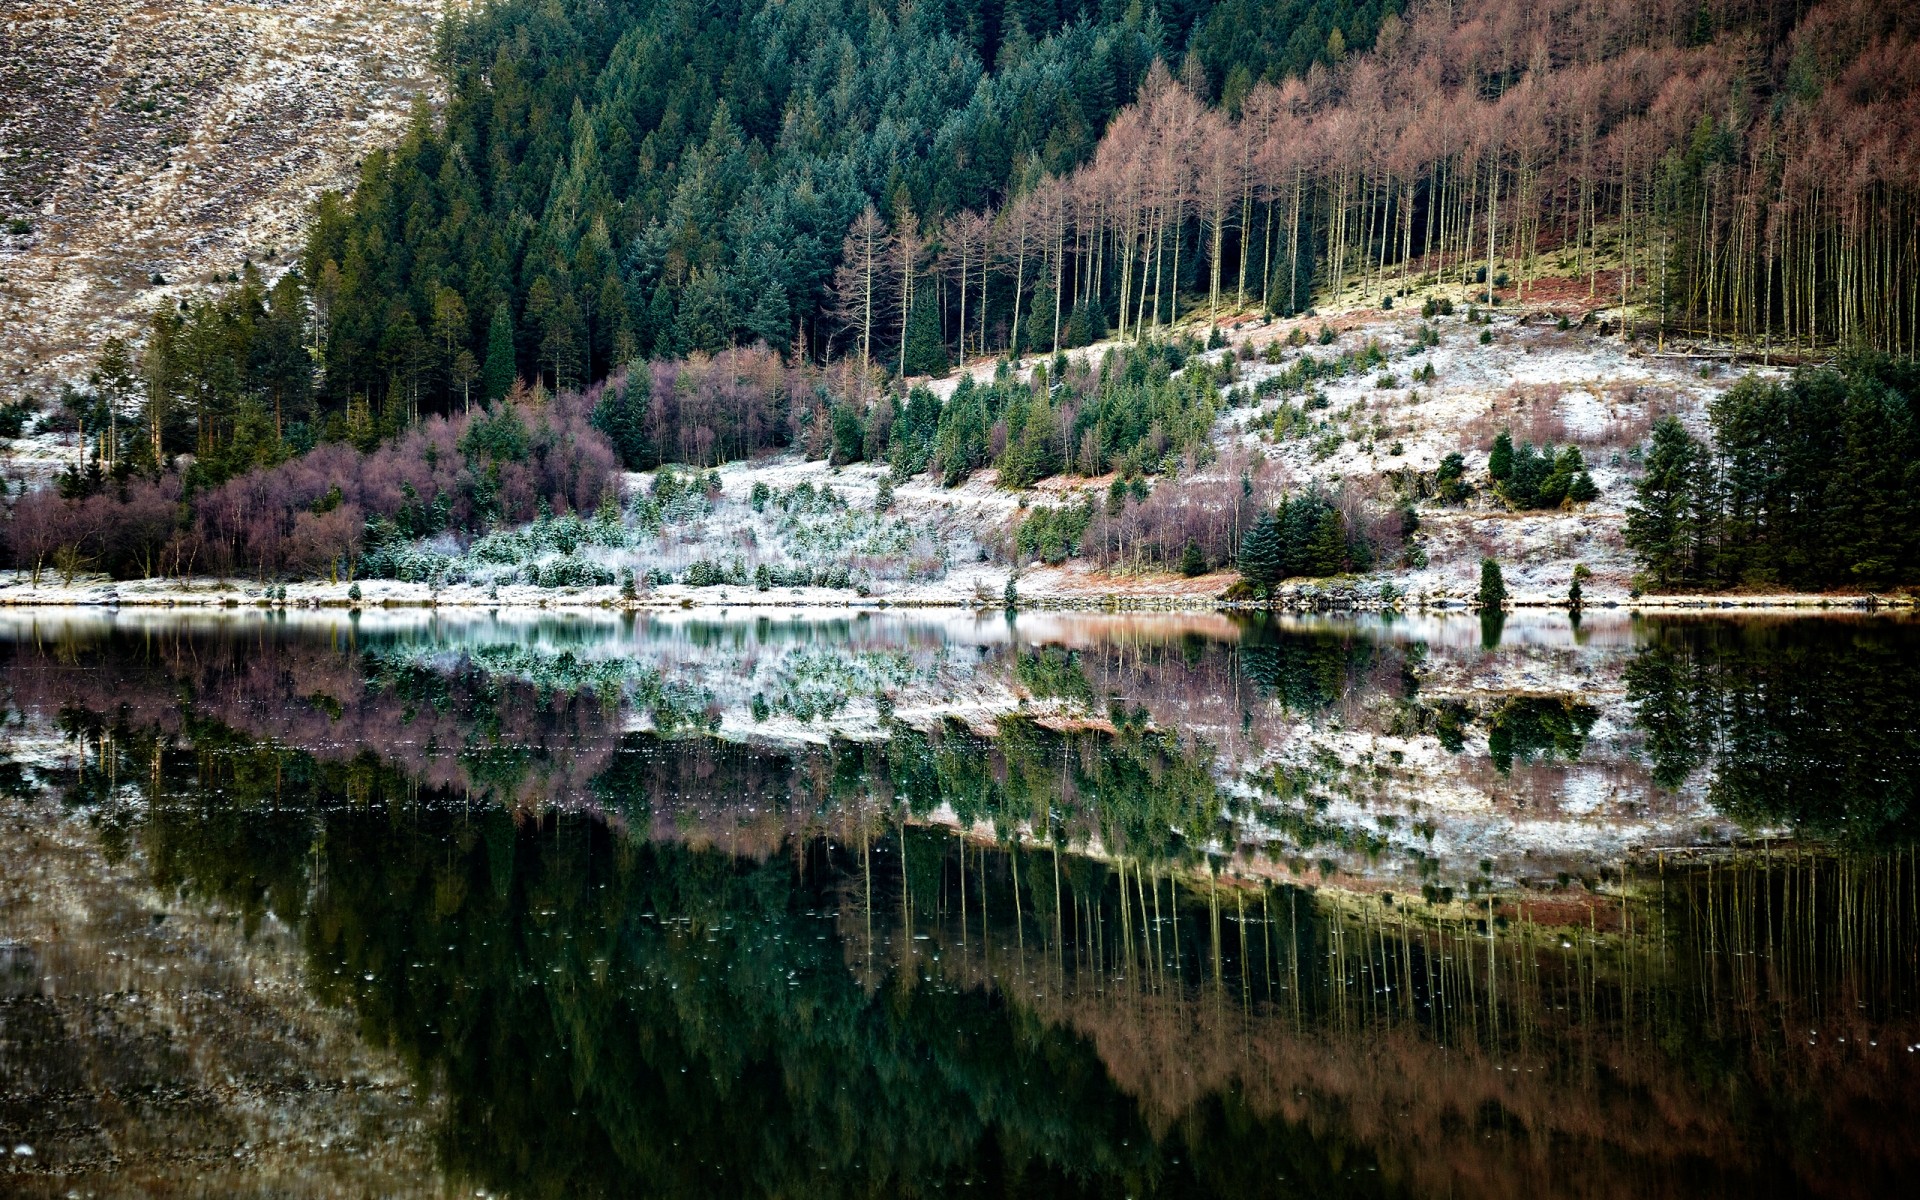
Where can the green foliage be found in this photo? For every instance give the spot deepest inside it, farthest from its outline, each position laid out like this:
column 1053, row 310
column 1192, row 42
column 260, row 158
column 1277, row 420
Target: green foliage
column 1500, row 458
column 915, row 434
column 1261, row 561
column 1051, row 673
column 1815, row 481
column 1192, row 561
column 1305, row 535
column 849, row 435
column 1527, row 727
column 1528, row 478
column 1492, row 596
column 649, row 178
column 1810, row 726
column 1053, row 532
column 926, row 350
column 621, row 414
column 498, row 372
column 499, row 436
column 1665, row 523
column 1450, row 481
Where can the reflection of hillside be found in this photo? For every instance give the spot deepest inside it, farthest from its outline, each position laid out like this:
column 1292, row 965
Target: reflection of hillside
column 884, row 1005
column 1731, row 1034
column 1301, row 749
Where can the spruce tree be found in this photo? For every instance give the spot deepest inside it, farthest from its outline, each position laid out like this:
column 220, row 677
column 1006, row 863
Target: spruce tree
column 1493, row 587
column 1260, row 560
column 1192, row 561
column 1663, row 521
column 926, row 353
column 1327, row 552
column 1500, row 460
column 497, row 377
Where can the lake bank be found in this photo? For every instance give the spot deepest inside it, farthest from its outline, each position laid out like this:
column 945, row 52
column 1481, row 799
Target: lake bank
column 1041, row 588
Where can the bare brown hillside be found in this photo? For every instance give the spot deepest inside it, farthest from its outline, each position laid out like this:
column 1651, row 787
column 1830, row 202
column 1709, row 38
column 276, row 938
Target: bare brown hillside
column 177, row 140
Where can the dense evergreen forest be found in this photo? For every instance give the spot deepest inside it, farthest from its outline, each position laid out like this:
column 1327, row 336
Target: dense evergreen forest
column 614, row 180
column 1808, row 483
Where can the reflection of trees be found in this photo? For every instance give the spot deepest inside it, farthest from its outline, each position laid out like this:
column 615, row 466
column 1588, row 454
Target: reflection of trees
column 604, row 1014
column 598, row 1009
column 1813, row 725
column 1530, row 727
column 1139, row 790
column 454, row 724
column 1307, row 671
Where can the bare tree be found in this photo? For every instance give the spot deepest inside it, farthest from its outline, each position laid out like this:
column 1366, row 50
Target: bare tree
column 861, row 291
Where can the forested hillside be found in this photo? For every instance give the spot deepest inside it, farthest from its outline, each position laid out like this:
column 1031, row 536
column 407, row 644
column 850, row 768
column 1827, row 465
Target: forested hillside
column 743, row 226
column 622, row 179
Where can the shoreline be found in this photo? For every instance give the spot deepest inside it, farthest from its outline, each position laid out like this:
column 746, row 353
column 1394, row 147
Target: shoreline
column 1356, row 597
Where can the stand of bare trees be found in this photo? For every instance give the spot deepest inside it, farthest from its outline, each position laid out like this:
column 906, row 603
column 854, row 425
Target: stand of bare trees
column 1764, row 184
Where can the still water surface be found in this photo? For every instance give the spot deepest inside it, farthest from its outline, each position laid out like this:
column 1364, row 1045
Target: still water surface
column 900, row 904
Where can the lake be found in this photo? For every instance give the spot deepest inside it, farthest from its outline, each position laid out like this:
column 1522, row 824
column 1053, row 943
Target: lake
column 315, row 904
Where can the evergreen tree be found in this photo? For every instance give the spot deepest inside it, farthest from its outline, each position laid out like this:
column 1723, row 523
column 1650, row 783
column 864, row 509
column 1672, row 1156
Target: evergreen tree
column 926, row 352
column 1576, row 596
column 1663, row 523
column 1192, row 561
column 1327, row 552
column 1260, row 562
column 1449, row 482
column 1500, row 460
column 1493, row 587
column 497, row 376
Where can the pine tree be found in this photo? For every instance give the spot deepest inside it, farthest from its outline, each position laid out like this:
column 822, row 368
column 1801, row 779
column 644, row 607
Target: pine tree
column 926, row 353
column 499, row 373
column 1493, row 587
column 1500, row 460
column 1327, row 552
column 1663, row 521
column 1260, row 559
column 1192, row 562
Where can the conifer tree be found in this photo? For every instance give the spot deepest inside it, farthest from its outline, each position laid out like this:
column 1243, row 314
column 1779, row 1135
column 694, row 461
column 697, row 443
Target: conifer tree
column 1192, row 561
column 1663, row 522
column 926, row 354
column 499, row 373
column 1327, row 553
column 1260, row 559
column 1493, row 587
column 1576, row 596
column 1500, row 460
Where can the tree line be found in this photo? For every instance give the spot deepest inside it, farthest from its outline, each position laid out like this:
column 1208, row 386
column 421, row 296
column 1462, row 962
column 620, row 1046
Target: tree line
column 1808, row 482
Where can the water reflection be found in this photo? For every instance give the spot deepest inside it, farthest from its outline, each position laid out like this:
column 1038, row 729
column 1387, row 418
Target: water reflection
column 908, row 905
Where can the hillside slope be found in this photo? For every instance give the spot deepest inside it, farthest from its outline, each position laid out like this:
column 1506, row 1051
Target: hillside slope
column 175, row 140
